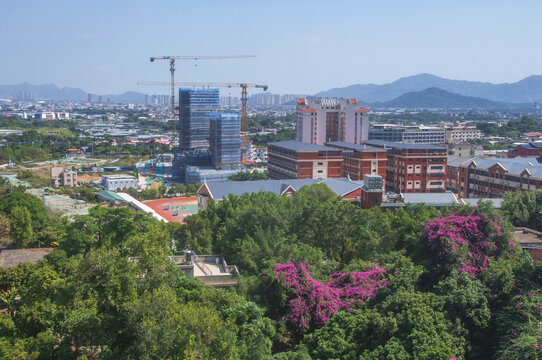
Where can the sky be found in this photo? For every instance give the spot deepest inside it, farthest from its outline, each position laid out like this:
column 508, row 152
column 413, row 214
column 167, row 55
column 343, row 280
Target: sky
column 301, row 47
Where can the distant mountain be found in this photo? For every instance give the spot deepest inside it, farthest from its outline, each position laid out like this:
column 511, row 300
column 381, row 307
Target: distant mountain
column 433, row 98
column 527, row 90
column 53, row 92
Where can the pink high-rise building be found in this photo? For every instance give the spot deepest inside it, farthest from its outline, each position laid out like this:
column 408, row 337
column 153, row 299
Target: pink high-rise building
column 329, row 119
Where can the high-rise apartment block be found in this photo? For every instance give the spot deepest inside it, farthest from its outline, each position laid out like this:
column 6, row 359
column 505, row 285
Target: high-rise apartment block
column 329, row 119
column 225, row 142
column 195, row 109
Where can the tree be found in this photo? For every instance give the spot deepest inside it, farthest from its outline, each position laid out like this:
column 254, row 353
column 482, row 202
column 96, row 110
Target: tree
column 32, row 203
column 248, row 176
column 406, row 325
column 5, row 225
column 21, row 227
column 524, row 208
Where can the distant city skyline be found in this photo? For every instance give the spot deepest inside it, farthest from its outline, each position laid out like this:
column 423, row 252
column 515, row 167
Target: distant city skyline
column 302, row 47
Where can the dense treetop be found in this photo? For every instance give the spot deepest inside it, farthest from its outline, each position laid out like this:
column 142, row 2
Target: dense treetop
column 320, row 279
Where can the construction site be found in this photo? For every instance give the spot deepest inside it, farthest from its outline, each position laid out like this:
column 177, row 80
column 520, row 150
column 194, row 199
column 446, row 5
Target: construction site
column 212, row 144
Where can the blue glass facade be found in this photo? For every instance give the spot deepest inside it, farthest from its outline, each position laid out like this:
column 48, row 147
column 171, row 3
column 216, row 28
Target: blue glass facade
column 225, row 141
column 195, row 109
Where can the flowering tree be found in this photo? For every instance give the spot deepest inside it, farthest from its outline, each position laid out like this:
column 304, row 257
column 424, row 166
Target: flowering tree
column 467, row 241
column 315, row 302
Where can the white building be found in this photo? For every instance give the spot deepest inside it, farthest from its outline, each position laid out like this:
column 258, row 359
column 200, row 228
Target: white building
column 412, row 134
column 258, row 154
column 320, row 120
column 116, row 182
column 457, row 134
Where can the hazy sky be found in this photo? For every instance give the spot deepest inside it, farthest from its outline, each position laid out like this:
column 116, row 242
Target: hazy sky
column 301, row 46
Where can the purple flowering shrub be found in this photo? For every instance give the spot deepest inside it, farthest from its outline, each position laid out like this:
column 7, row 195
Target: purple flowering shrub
column 469, row 242
column 314, row 302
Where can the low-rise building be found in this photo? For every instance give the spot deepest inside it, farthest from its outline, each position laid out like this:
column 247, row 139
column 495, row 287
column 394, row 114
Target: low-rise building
column 491, row 178
column 459, row 134
column 360, row 160
column 465, row 149
column 211, row 270
column 366, row 193
column 118, row 182
column 298, row 160
column 530, row 149
column 61, row 176
column 414, row 168
column 407, row 134
column 257, row 154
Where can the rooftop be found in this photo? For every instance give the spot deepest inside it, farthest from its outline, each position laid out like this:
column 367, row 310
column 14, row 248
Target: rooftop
column 111, row 195
column 219, row 190
column 514, row 166
column 474, row 202
column 116, row 177
column 431, row 199
column 301, row 146
column 14, row 257
column 382, row 143
column 347, row 145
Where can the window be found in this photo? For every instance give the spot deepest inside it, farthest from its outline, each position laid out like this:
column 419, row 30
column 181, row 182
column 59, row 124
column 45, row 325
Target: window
column 320, row 171
column 320, row 163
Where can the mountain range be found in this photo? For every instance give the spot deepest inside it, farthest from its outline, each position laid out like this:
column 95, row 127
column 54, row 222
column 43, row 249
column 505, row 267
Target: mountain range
column 417, row 91
column 435, row 98
column 53, row 92
column 527, row 90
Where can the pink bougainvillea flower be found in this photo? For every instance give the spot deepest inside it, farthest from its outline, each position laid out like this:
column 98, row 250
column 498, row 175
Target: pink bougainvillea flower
column 315, row 302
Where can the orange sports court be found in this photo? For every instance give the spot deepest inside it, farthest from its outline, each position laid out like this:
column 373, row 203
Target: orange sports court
column 174, row 209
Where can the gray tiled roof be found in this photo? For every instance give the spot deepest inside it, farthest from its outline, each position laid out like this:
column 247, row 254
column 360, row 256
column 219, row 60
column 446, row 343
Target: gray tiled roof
column 219, row 190
column 430, row 199
column 514, row 166
column 302, row 146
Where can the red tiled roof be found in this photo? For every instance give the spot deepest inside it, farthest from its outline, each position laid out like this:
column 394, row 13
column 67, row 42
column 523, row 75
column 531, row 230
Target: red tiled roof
column 363, row 109
column 300, row 101
column 307, row 109
column 353, row 101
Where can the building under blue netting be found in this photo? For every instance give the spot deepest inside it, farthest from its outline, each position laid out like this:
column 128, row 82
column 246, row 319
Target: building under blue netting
column 225, row 140
column 195, row 109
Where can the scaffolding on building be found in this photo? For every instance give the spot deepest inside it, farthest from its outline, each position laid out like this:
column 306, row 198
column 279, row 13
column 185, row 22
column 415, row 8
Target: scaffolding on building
column 225, row 142
column 195, row 108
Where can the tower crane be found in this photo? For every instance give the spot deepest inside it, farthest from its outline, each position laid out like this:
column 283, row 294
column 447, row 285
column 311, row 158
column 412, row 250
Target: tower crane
column 244, row 100
column 172, row 71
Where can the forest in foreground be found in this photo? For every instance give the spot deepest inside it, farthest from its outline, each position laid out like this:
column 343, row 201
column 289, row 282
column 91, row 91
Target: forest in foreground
column 319, row 279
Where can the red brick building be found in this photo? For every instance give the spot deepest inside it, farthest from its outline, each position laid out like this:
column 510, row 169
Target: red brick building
column 360, row 160
column 491, row 178
column 530, row 149
column 414, row 168
column 298, row 160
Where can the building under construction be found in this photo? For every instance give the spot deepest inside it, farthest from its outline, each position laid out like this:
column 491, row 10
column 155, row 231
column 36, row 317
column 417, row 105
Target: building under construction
column 210, row 141
column 195, row 109
column 225, row 142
